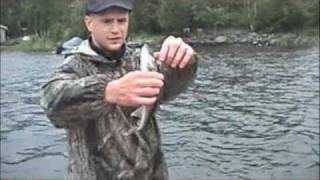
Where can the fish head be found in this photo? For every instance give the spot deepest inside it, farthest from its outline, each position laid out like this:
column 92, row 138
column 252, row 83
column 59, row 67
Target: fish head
column 147, row 61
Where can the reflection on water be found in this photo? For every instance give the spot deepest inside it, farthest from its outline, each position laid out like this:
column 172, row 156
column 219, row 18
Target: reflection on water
column 250, row 114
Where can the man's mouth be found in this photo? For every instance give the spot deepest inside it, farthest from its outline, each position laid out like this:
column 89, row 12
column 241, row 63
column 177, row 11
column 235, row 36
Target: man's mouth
column 116, row 39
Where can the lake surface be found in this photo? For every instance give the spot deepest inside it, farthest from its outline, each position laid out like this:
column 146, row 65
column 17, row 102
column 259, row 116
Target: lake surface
column 251, row 113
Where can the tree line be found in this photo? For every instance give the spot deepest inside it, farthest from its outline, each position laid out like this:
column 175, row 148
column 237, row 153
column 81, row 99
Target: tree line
column 62, row 19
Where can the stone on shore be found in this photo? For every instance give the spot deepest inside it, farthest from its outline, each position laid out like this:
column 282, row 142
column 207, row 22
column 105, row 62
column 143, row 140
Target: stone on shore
column 221, row 39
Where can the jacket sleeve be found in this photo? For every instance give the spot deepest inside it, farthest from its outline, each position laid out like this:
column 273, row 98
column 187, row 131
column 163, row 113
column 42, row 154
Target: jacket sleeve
column 69, row 99
column 177, row 80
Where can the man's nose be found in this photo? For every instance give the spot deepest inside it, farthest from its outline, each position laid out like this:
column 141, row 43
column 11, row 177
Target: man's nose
column 115, row 28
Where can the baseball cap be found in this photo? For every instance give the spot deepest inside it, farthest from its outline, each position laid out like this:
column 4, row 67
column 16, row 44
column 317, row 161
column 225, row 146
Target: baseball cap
column 97, row 6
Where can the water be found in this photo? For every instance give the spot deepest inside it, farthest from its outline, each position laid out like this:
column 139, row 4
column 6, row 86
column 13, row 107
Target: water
column 250, row 114
column 30, row 147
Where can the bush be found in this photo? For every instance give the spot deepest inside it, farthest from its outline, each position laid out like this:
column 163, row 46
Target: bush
column 281, row 15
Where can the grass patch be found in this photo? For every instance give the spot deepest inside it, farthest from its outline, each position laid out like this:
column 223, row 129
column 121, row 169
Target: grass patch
column 37, row 43
column 297, row 41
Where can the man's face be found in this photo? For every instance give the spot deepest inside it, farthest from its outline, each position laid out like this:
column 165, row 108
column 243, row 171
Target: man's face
column 108, row 29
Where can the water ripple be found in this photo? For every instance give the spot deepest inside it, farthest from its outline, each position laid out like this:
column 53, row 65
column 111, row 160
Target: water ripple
column 248, row 115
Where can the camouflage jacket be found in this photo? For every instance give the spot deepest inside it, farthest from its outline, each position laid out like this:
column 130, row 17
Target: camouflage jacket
column 74, row 99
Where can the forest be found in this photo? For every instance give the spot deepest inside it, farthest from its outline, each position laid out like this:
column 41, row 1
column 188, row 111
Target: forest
column 62, row 19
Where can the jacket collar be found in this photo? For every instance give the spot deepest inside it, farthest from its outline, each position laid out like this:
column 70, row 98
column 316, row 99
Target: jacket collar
column 87, row 51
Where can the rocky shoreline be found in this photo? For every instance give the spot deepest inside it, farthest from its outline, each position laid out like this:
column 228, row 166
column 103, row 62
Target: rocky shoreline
column 257, row 39
column 213, row 38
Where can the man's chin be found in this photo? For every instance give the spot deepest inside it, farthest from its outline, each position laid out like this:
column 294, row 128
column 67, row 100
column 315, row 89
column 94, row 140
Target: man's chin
column 114, row 47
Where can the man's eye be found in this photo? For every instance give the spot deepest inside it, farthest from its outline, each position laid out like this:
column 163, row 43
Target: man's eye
column 107, row 21
column 122, row 20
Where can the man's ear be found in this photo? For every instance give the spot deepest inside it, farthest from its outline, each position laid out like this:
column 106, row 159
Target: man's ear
column 88, row 23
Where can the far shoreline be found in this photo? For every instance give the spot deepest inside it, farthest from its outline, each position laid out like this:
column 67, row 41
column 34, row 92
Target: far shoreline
column 210, row 38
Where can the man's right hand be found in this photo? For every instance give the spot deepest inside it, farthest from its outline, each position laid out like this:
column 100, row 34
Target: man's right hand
column 135, row 89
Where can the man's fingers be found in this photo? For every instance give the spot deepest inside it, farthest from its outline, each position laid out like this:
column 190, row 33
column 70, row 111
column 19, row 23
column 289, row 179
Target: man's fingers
column 174, row 46
column 144, row 100
column 187, row 57
column 156, row 55
column 147, row 92
column 163, row 52
column 152, row 74
column 175, row 53
column 150, row 82
column 149, row 74
column 179, row 56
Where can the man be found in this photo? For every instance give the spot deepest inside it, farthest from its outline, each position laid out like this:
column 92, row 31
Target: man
column 93, row 93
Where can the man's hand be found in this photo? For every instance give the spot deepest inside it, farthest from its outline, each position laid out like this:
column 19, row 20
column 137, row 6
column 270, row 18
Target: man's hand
column 135, row 89
column 175, row 53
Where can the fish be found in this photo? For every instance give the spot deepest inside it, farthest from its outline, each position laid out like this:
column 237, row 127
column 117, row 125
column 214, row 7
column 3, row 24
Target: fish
column 144, row 113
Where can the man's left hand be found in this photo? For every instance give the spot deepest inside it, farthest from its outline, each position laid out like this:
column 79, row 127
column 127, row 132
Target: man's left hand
column 175, row 53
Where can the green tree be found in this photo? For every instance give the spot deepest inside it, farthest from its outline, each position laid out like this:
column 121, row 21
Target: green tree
column 175, row 15
column 11, row 15
column 274, row 15
column 61, row 19
column 145, row 16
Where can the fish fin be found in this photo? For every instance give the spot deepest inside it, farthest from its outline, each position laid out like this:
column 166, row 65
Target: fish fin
column 137, row 113
column 131, row 131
